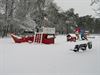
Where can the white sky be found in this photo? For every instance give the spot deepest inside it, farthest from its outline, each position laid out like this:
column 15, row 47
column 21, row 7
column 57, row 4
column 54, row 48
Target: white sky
column 81, row 6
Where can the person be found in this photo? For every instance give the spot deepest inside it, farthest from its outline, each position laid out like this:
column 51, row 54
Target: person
column 77, row 32
column 83, row 34
column 71, row 38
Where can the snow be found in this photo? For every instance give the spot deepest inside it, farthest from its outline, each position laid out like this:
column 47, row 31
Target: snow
column 54, row 59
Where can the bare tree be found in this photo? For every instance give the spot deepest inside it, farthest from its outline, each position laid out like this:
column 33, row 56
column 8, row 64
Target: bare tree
column 8, row 7
column 97, row 9
column 16, row 11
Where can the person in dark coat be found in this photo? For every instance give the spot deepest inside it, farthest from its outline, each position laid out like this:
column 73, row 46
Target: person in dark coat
column 83, row 34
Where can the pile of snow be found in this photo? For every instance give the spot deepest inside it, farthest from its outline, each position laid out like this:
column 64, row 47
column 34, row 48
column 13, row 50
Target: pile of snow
column 54, row 59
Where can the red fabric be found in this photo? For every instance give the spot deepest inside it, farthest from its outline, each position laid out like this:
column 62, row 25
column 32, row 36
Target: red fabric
column 38, row 38
column 22, row 39
column 77, row 29
column 71, row 39
column 46, row 40
column 43, row 38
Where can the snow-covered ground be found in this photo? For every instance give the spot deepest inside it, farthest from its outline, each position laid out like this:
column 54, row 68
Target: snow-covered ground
column 40, row 59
